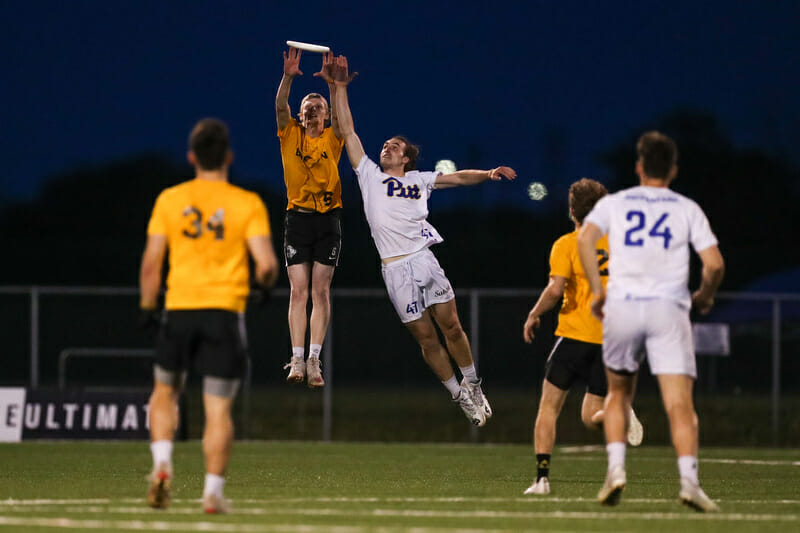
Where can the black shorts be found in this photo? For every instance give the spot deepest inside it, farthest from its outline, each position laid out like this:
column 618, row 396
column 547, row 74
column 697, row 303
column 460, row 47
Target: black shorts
column 571, row 360
column 312, row 237
column 211, row 341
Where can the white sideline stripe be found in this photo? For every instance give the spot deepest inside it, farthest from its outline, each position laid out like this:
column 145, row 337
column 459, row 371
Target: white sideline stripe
column 143, row 525
column 751, row 462
column 758, row 462
column 404, row 513
column 11, row 503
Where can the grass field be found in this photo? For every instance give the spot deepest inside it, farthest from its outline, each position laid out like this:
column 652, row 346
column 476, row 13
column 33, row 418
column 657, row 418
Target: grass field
column 316, row 487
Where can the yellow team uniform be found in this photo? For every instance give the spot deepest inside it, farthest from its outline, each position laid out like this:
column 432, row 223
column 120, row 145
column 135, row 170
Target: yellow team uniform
column 575, row 320
column 311, row 168
column 207, row 224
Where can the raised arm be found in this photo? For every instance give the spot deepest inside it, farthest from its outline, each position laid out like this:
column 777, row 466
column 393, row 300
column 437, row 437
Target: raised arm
column 291, row 68
column 473, row 177
column 587, row 252
column 341, row 76
column 326, row 73
column 713, row 271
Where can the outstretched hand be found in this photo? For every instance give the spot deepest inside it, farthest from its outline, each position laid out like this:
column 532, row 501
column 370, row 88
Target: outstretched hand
column 326, row 70
column 338, row 70
column 502, row 172
column 291, row 62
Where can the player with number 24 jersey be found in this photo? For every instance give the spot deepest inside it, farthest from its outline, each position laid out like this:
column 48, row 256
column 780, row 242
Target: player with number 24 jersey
column 649, row 231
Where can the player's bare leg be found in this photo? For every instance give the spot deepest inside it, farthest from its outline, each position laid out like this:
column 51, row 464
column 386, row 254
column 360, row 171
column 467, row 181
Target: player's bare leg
column 433, row 352
column 321, row 278
column 544, row 435
column 163, row 422
column 437, row 359
column 446, row 316
column 592, row 413
column 615, row 423
column 299, row 277
column 676, row 393
column 217, row 444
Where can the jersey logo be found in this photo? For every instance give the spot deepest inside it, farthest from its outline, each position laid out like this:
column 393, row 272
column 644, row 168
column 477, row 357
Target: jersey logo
column 394, row 187
column 305, row 158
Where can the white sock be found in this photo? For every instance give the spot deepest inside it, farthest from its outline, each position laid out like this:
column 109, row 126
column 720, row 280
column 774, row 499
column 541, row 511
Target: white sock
column 299, row 352
column 469, row 373
column 453, row 386
column 214, row 485
column 616, row 455
column 687, row 466
column 162, row 452
column 313, row 350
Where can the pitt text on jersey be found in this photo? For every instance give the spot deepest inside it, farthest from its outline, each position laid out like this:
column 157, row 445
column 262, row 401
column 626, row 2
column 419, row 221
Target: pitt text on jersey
column 394, row 187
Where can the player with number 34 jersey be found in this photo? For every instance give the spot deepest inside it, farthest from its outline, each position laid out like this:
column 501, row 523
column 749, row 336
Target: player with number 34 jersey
column 207, row 224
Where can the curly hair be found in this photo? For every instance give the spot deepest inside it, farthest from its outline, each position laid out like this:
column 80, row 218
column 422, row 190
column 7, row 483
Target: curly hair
column 583, row 194
column 411, row 152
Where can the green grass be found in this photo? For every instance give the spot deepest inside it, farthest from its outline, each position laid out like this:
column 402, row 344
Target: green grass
column 316, row 487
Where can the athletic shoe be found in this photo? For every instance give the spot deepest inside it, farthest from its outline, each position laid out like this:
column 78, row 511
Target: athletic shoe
column 477, row 396
column 314, row 373
column 474, row 414
column 160, row 479
column 612, row 489
column 540, row 486
column 297, row 372
column 635, row 430
column 693, row 496
column 213, row 504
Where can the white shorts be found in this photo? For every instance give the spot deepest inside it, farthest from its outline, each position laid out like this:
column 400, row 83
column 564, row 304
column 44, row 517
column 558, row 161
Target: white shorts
column 414, row 283
column 659, row 327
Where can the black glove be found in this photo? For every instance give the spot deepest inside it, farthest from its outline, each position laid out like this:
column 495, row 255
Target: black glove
column 259, row 295
column 149, row 320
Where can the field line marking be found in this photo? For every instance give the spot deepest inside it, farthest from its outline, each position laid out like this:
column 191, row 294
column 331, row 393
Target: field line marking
column 397, row 513
column 366, row 499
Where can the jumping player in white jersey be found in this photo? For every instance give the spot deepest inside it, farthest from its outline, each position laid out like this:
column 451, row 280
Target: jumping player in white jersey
column 396, row 206
column 646, row 305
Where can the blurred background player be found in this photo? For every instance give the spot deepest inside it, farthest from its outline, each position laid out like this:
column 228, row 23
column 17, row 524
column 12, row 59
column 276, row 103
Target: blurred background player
column 312, row 234
column 396, row 206
column 578, row 350
column 649, row 230
column 208, row 226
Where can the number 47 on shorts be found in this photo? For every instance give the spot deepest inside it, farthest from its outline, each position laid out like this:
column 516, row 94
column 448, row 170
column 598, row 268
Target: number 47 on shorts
column 412, row 307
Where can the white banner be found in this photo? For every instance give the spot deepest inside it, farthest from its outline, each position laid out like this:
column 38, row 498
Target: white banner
column 12, row 411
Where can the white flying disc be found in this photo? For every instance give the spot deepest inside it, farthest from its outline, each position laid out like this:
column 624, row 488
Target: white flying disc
column 308, row 46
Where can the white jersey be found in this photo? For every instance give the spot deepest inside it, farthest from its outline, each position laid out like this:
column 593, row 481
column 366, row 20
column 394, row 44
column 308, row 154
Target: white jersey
column 397, row 209
column 649, row 232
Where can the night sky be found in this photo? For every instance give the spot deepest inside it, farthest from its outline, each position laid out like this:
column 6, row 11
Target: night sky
column 540, row 86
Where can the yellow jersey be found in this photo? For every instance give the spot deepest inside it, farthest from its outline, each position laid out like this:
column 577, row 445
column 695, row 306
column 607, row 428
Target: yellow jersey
column 207, row 224
column 311, row 168
column 575, row 320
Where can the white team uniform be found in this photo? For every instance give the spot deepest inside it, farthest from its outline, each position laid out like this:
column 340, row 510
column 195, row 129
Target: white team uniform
column 397, row 212
column 647, row 297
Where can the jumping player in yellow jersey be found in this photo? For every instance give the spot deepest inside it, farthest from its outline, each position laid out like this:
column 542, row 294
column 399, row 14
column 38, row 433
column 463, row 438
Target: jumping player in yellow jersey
column 312, row 235
column 208, row 226
column 577, row 353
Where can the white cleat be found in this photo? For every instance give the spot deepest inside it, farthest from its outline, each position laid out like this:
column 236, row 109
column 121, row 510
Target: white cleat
column 540, row 486
column 693, row 496
column 635, row 430
column 475, row 415
column 314, row 373
column 297, row 370
column 612, row 489
column 478, row 398
column 213, row 504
